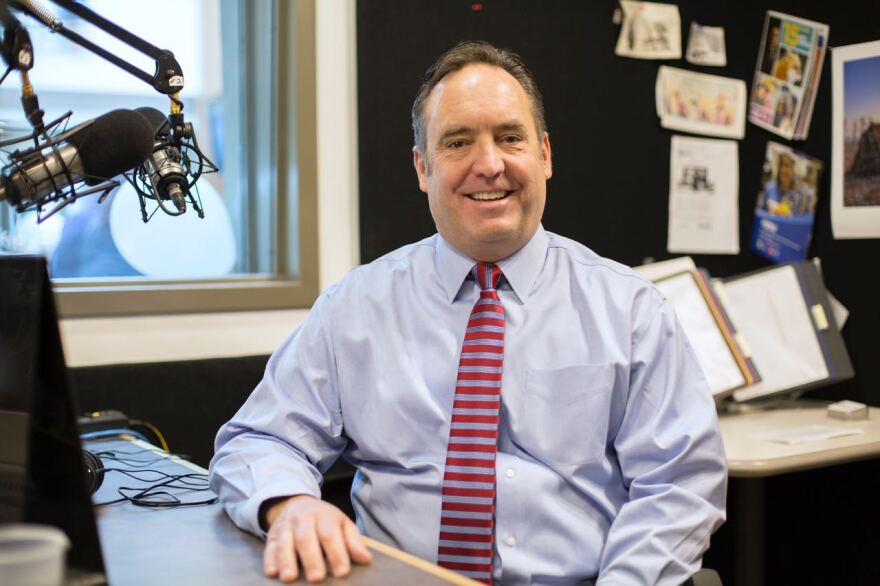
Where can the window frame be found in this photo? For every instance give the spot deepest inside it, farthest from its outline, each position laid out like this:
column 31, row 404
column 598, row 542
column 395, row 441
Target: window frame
column 293, row 280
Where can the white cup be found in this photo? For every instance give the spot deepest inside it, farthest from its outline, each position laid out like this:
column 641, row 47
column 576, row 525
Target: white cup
column 32, row 555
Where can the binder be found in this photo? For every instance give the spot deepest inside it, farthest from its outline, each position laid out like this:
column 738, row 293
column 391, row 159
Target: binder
column 785, row 313
column 716, row 343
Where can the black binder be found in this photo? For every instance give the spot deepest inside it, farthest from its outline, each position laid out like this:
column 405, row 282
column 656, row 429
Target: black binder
column 817, row 318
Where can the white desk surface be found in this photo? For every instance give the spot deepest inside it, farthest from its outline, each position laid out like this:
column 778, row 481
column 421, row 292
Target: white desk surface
column 749, row 457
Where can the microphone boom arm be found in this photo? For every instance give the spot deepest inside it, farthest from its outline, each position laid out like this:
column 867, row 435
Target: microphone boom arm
column 168, row 77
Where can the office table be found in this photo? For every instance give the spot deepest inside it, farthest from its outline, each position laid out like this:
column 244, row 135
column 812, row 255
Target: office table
column 751, row 460
column 200, row 545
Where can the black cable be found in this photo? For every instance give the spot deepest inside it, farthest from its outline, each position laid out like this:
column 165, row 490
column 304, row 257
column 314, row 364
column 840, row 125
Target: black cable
column 145, row 497
column 128, row 461
column 157, row 494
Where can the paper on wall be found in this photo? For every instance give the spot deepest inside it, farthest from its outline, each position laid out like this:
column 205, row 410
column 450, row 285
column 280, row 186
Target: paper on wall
column 706, row 46
column 700, row 103
column 703, row 196
column 650, row 31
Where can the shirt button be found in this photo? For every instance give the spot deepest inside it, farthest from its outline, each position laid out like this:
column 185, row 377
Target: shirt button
column 510, row 473
column 511, row 541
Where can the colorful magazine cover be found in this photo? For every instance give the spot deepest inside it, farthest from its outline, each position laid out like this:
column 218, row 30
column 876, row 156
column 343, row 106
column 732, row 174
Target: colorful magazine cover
column 786, row 75
column 783, row 225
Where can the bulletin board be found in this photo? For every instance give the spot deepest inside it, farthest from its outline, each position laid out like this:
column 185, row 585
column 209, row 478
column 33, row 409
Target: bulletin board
column 610, row 184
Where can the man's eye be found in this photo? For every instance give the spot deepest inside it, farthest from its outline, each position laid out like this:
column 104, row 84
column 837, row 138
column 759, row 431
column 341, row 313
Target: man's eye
column 511, row 139
column 455, row 144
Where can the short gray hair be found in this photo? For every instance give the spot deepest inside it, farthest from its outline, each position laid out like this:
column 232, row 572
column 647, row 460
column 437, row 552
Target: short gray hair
column 469, row 53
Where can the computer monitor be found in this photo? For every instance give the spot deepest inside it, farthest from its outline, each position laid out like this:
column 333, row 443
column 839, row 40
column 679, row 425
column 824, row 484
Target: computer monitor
column 42, row 477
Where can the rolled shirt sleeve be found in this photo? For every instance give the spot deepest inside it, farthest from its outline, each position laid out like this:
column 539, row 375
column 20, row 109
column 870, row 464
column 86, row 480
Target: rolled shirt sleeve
column 288, row 432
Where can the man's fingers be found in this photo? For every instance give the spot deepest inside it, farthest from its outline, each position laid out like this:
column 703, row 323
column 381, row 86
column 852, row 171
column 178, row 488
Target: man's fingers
column 285, row 554
column 309, row 549
column 270, row 563
column 356, row 546
column 307, row 530
column 333, row 544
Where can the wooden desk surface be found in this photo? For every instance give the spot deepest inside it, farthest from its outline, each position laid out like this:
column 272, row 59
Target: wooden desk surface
column 200, row 545
column 750, row 457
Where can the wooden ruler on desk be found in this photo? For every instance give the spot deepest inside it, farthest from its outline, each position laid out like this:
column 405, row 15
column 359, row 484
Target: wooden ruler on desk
column 442, row 573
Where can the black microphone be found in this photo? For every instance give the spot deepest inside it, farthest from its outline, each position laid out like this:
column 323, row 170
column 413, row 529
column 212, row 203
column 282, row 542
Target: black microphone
column 164, row 166
column 91, row 152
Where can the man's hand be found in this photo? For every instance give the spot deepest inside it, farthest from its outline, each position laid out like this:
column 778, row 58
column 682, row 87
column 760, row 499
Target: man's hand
column 308, row 528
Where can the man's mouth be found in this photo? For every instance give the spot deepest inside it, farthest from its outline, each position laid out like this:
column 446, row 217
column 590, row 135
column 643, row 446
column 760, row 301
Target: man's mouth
column 488, row 195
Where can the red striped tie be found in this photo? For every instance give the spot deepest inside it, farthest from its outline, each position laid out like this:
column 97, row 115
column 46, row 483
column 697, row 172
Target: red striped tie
column 467, row 519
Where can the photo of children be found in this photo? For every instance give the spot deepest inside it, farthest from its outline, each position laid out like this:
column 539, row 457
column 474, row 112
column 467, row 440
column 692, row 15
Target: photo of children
column 786, row 204
column 700, row 103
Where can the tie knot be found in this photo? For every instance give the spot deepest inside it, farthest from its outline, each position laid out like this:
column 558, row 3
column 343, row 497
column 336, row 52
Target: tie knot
column 487, row 275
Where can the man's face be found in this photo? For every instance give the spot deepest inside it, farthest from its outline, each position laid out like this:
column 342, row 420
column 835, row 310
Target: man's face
column 786, row 170
column 485, row 169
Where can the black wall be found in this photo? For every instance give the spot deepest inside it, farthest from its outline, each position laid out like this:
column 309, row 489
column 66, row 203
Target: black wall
column 611, row 158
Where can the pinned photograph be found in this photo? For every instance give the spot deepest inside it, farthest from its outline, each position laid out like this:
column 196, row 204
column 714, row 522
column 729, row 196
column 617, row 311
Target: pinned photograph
column 649, row 31
column 783, row 225
column 700, row 103
column 855, row 171
column 787, row 74
column 706, row 46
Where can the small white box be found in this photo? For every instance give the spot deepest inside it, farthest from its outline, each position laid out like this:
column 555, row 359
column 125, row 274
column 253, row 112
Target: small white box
column 848, row 410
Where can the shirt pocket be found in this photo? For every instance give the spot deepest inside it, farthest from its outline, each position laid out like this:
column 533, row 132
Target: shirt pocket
column 566, row 413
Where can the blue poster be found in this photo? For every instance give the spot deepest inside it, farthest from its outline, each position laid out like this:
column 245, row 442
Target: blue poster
column 783, row 225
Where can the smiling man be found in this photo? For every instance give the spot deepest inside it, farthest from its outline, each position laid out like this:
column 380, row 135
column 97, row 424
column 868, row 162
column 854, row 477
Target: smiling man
column 488, row 162
column 519, row 409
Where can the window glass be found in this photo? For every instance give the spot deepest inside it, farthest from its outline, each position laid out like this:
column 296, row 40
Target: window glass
column 232, row 109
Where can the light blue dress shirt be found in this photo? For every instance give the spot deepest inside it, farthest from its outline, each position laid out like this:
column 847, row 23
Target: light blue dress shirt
column 610, row 464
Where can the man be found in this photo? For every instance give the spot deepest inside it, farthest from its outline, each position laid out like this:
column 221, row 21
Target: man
column 609, row 462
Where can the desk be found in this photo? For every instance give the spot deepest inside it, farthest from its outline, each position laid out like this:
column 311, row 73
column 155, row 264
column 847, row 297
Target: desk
column 200, row 545
column 752, row 460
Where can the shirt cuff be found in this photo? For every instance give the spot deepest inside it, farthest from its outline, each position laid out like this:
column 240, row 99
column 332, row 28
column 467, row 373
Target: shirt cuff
column 250, row 514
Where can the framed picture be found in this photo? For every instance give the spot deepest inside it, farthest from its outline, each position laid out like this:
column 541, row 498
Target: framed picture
column 855, row 150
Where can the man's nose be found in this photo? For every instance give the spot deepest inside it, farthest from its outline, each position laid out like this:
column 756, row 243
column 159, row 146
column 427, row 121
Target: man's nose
column 488, row 160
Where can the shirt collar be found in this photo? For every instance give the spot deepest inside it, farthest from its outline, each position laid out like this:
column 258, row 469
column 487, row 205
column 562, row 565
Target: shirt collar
column 520, row 269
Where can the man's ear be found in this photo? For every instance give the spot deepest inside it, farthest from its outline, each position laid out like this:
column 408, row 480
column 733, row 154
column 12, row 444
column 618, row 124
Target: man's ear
column 547, row 156
column 421, row 169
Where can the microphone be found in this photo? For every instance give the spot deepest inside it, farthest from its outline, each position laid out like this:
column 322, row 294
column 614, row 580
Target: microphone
column 164, row 167
column 92, row 152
